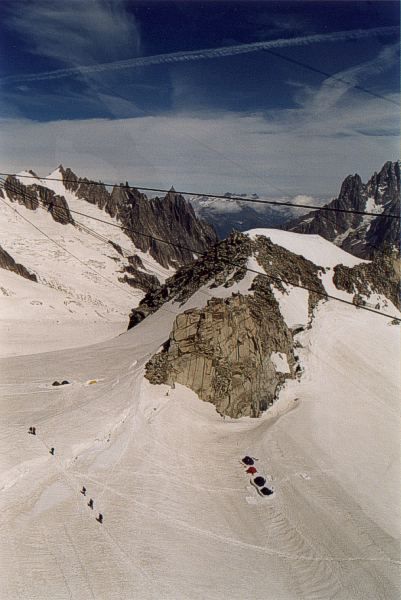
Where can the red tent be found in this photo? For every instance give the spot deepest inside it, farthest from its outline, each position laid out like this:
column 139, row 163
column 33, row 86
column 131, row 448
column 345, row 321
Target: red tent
column 251, row 470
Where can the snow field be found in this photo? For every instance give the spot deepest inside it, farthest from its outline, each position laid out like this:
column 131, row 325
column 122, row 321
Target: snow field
column 180, row 519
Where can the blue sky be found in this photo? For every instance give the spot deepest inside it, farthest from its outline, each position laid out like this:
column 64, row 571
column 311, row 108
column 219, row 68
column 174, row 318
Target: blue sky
column 247, row 121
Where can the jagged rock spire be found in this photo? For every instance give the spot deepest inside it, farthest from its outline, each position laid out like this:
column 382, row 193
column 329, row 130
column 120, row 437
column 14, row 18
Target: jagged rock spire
column 360, row 235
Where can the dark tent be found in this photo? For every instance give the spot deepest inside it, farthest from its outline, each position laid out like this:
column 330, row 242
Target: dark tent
column 247, row 460
column 260, row 481
column 266, row 492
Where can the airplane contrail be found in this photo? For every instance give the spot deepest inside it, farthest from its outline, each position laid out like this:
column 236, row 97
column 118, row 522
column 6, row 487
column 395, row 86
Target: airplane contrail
column 176, row 57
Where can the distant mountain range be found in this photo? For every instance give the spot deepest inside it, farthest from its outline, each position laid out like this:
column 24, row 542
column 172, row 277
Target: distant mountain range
column 229, row 213
column 360, row 235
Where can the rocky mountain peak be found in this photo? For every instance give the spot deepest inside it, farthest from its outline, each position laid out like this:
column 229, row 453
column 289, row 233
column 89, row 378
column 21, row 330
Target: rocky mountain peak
column 171, row 218
column 358, row 234
column 70, row 180
column 144, row 220
column 351, row 189
column 8, row 262
column 384, row 186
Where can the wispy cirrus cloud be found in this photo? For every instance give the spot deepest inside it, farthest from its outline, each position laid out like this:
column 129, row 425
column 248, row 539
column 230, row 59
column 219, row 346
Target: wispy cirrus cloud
column 339, row 107
column 335, row 87
column 72, row 33
column 209, row 53
column 75, row 32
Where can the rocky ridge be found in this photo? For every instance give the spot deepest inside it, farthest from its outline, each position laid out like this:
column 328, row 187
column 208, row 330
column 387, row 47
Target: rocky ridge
column 7, row 262
column 226, row 264
column 32, row 195
column 363, row 236
column 145, row 221
column 381, row 276
column 171, row 218
column 137, row 277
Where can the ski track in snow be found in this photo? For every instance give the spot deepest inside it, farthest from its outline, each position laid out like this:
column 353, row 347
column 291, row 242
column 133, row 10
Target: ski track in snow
column 237, row 542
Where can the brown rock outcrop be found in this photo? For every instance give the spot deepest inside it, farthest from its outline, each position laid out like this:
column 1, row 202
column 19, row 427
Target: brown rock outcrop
column 140, row 279
column 232, row 351
column 381, row 276
column 18, row 192
column 223, row 353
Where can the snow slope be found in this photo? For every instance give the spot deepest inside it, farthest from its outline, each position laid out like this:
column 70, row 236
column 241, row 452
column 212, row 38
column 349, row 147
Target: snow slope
column 181, row 520
column 294, row 300
column 313, row 247
column 79, row 296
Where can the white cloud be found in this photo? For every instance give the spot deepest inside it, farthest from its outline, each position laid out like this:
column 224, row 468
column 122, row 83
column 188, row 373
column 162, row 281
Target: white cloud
column 303, row 199
column 223, row 206
column 303, row 153
column 214, row 153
